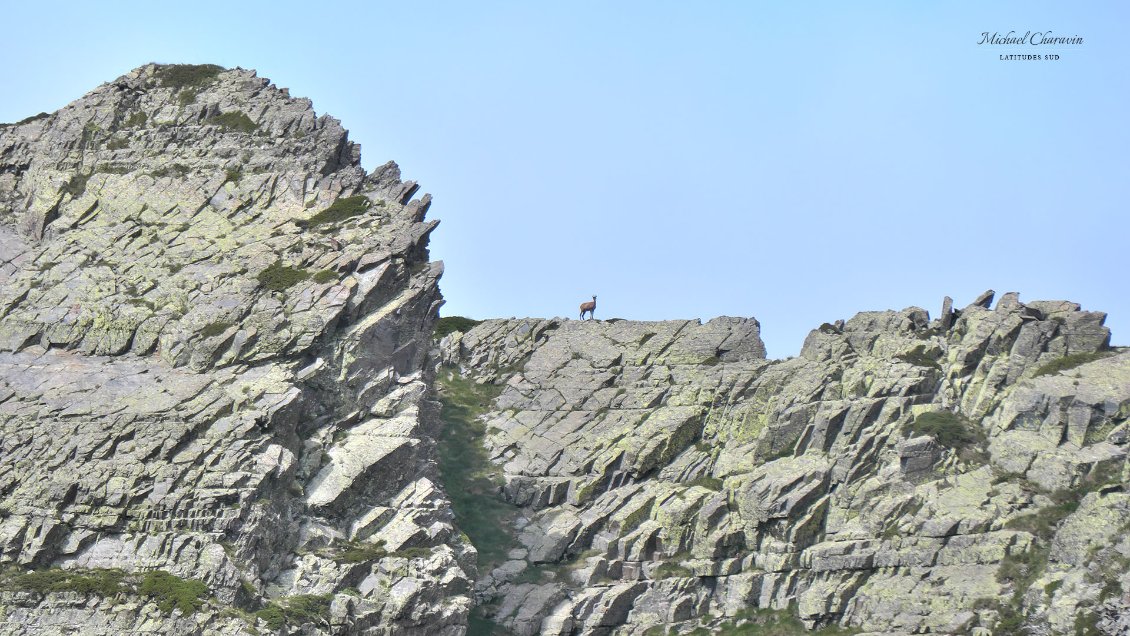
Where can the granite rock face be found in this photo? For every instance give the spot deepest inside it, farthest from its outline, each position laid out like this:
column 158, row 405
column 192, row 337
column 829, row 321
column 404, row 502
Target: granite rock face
column 219, row 414
column 214, row 330
column 900, row 476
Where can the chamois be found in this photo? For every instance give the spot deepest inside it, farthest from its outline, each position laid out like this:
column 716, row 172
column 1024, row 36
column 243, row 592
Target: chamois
column 590, row 308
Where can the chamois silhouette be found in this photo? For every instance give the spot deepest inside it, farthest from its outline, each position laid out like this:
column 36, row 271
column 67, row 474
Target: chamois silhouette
column 589, row 307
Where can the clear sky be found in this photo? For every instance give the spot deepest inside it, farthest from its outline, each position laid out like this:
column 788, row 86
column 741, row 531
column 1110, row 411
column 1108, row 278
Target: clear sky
column 688, row 159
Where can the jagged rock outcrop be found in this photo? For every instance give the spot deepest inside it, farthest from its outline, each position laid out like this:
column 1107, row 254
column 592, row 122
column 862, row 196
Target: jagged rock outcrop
column 214, row 327
column 220, row 414
column 900, row 476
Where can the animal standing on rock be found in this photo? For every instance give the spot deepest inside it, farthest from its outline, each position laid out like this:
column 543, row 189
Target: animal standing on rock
column 589, row 307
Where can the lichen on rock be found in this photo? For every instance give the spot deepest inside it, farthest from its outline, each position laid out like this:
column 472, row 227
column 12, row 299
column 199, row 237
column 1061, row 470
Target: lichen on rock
column 901, row 475
column 220, row 414
column 183, row 388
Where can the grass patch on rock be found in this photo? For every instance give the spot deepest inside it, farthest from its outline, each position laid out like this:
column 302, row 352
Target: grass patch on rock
column 670, row 570
column 919, row 358
column 469, row 477
column 279, row 277
column 1021, row 569
column 136, row 120
column 172, row 592
column 176, row 170
column 234, row 121
column 325, row 276
column 102, row 582
column 948, row 429
column 450, row 324
column 709, row 483
column 187, row 96
column 1043, row 522
column 1069, row 362
column 214, row 329
column 479, row 624
column 360, row 552
column 761, row 622
column 340, row 210
column 28, row 120
column 178, row 76
column 297, row 610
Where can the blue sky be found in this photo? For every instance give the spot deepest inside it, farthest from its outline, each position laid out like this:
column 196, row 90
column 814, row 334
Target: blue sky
column 688, row 160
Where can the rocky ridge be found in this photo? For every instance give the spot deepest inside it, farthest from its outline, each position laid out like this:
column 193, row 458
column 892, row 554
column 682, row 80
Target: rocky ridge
column 902, row 475
column 214, row 327
column 220, row 404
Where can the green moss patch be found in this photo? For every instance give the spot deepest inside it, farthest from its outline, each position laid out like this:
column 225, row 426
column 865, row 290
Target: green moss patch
column 172, row 592
column 413, row 553
column 325, row 276
column 478, row 624
column 1043, row 522
column 214, row 329
column 340, row 210
column 187, row 96
column 451, row 324
column 100, row 582
column 360, row 552
column 279, row 277
column 765, row 622
column 919, row 358
column 179, row 76
column 176, row 170
column 709, row 483
column 948, row 429
column 671, row 570
column 28, row 120
column 1069, row 362
column 169, row 591
column 469, row 477
column 297, row 610
column 234, row 121
column 136, row 120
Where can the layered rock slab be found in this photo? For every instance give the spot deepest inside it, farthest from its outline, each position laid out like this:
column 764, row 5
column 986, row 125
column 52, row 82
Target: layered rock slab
column 670, row 475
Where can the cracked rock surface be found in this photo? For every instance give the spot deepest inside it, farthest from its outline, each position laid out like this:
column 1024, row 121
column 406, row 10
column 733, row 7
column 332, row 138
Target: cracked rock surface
column 219, row 416
column 202, row 376
column 670, row 477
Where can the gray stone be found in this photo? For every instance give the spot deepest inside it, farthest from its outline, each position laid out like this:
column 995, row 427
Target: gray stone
column 162, row 408
column 918, row 456
column 792, row 481
column 984, row 300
